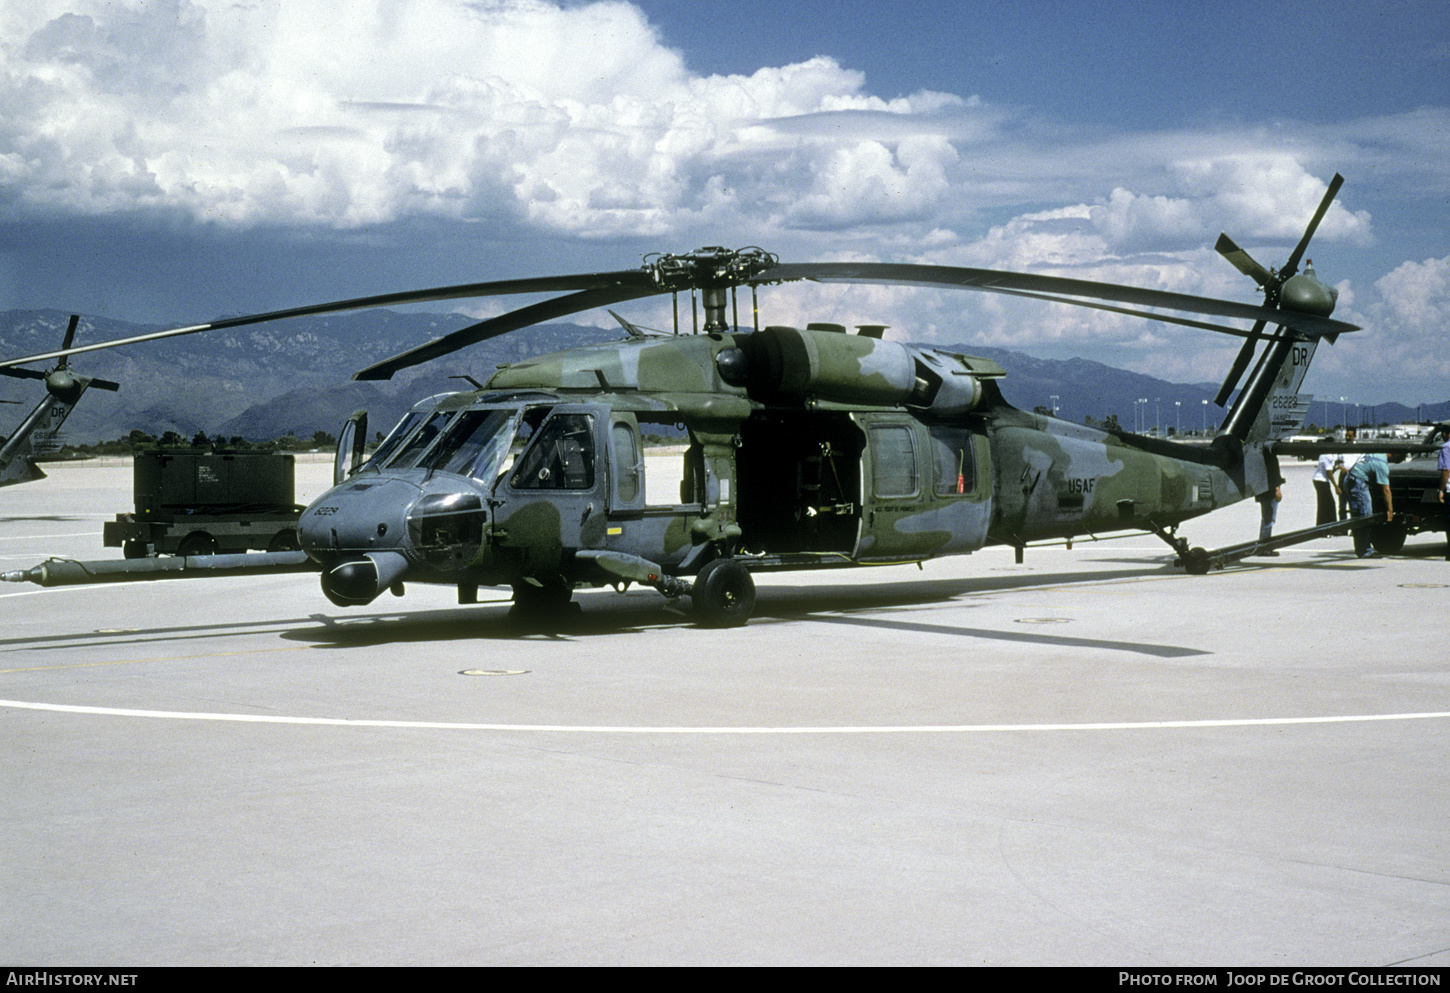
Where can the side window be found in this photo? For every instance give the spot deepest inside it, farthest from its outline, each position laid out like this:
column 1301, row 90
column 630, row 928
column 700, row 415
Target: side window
column 627, row 463
column 956, row 469
column 893, row 460
column 561, row 456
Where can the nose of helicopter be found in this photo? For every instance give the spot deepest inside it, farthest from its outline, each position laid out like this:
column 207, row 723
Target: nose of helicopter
column 356, row 517
column 358, row 532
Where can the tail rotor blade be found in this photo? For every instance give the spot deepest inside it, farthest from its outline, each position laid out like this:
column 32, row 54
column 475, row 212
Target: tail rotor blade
column 70, row 332
column 1241, row 363
column 70, row 337
column 1243, row 261
column 22, row 373
column 1292, row 266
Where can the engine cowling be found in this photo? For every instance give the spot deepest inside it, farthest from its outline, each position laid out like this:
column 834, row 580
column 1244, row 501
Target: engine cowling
column 792, row 365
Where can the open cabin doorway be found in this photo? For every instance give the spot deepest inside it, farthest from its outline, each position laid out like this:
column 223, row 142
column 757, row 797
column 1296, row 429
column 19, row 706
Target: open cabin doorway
column 800, row 482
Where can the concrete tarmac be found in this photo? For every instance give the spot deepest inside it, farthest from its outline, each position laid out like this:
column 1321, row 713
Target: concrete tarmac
column 1088, row 759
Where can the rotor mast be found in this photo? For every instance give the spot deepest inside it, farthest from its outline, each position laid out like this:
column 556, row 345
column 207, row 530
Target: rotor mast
column 714, row 271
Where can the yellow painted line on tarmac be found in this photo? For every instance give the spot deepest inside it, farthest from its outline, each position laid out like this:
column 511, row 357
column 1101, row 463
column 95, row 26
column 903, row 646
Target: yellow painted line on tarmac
column 158, row 658
column 61, row 589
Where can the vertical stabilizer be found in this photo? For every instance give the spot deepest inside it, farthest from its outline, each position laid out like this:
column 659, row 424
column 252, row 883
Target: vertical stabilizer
column 1271, row 408
column 38, row 434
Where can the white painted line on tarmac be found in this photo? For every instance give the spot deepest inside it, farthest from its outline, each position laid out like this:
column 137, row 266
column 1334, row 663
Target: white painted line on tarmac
column 589, row 729
column 38, row 537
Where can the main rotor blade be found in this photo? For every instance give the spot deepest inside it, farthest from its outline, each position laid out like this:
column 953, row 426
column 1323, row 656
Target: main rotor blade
column 1292, row 266
column 1148, row 314
column 1241, row 362
column 1242, row 261
column 542, row 284
column 504, row 323
column 998, row 281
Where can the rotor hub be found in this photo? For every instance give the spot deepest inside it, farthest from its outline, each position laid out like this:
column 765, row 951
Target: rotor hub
column 712, row 267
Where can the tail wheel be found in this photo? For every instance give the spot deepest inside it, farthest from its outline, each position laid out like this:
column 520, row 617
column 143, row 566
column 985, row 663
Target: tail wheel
column 1196, row 562
column 724, row 594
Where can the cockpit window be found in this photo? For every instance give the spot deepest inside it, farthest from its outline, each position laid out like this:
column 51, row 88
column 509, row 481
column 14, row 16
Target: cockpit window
column 561, row 456
column 415, row 445
column 474, row 444
column 395, row 438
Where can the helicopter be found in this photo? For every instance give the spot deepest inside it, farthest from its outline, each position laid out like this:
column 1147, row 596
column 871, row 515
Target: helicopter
column 801, row 448
column 38, row 433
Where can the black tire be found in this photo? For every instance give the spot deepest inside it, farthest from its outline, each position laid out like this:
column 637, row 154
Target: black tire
column 549, row 603
column 197, row 543
column 724, row 594
column 1388, row 538
column 284, row 541
column 1196, row 562
column 133, row 549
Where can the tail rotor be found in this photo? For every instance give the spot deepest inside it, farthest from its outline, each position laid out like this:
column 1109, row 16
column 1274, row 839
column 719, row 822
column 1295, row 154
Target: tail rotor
column 61, row 382
column 1305, row 293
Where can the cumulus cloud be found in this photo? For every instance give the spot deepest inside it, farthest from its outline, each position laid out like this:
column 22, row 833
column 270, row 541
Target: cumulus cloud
column 1417, row 294
column 573, row 120
column 577, row 122
column 1404, row 337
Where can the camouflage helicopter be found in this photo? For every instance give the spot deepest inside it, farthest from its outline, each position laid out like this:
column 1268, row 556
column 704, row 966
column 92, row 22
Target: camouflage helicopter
column 800, row 448
column 39, row 433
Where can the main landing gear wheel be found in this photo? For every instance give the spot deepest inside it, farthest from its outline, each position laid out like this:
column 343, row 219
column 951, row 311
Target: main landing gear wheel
column 543, row 606
column 724, row 594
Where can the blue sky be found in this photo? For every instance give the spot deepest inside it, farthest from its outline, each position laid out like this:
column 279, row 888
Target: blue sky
column 173, row 161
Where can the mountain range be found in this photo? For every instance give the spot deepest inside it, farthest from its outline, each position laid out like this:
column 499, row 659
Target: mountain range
column 292, row 377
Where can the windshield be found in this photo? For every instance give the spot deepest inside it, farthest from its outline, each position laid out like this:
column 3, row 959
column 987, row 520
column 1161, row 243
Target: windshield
column 393, row 440
column 415, row 445
column 474, row 444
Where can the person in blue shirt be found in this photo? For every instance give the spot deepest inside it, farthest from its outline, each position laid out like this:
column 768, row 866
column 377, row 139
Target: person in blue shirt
column 1370, row 470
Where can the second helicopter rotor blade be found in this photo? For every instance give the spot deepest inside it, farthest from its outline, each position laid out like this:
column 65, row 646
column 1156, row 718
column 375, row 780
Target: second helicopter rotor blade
column 23, row 373
column 70, row 332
